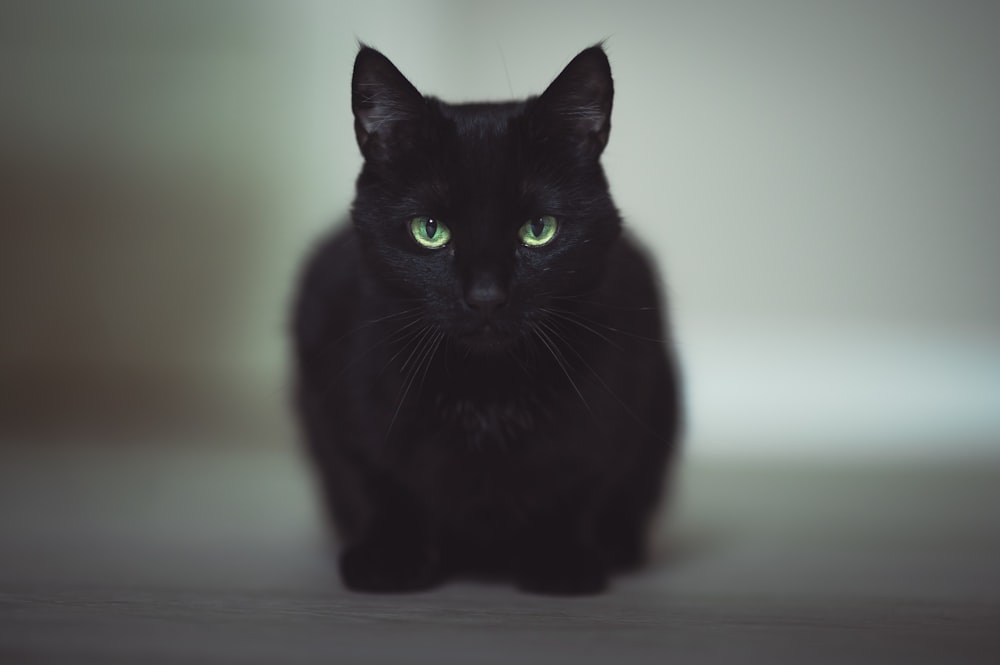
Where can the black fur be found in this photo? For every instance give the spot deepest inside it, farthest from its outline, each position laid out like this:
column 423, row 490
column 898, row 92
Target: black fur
column 484, row 407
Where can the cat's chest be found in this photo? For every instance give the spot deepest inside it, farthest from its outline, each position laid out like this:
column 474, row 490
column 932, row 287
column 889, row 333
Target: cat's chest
column 491, row 420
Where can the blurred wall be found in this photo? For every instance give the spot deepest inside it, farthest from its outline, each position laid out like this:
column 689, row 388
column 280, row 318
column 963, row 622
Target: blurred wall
column 820, row 179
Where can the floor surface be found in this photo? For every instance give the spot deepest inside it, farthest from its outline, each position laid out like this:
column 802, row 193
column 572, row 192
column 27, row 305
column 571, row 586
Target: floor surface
column 178, row 554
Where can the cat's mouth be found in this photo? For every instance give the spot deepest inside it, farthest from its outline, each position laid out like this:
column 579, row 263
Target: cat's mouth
column 485, row 338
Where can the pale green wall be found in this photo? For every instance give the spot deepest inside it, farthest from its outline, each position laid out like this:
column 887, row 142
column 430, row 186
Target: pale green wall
column 822, row 180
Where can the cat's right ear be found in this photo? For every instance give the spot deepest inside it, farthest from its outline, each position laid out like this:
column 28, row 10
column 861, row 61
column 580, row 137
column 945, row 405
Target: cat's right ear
column 384, row 104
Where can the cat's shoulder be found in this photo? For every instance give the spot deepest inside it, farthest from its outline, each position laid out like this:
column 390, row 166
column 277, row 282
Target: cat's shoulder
column 634, row 290
column 632, row 266
column 332, row 259
column 324, row 294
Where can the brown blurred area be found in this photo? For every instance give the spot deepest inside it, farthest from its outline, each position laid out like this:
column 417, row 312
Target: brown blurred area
column 151, row 163
column 121, row 288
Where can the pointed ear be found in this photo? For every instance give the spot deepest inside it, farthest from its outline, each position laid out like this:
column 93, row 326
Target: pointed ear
column 383, row 101
column 577, row 104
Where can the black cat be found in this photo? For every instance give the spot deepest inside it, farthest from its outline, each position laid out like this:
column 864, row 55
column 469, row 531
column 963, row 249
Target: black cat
column 483, row 376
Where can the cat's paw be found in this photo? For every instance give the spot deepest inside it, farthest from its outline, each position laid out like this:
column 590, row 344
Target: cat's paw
column 389, row 567
column 575, row 574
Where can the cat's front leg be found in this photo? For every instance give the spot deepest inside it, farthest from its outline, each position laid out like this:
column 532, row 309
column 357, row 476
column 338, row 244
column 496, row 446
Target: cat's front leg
column 556, row 558
column 392, row 557
column 388, row 564
column 396, row 551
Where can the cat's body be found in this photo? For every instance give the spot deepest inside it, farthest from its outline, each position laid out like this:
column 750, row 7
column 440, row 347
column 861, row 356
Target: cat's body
column 482, row 372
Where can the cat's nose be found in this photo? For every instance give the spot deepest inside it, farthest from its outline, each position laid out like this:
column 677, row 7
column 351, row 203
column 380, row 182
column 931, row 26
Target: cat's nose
column 485, row 295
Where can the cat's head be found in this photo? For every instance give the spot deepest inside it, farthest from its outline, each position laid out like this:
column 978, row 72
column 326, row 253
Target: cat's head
column 486, row 215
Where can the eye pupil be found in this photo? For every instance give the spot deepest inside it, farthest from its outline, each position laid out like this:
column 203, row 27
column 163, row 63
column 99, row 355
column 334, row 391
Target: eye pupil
column 429, row 233
column 539, row 231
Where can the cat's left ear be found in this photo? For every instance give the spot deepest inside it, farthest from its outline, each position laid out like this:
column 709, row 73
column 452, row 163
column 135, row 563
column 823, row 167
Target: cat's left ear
column 386, row 106
column 577, row 104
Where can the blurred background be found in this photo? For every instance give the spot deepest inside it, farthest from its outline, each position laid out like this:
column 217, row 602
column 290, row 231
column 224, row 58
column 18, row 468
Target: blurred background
column 820, row 180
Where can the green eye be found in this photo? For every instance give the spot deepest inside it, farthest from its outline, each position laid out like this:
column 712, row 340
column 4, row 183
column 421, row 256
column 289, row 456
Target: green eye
column 538, row 231
column 429, row 232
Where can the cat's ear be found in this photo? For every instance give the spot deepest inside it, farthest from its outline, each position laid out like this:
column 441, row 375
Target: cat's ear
column 577, row 104
column 384, row 103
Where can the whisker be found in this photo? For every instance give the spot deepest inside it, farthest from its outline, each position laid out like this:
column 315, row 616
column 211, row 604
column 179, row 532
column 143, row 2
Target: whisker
column 613, row 329
column 422, row 336
column 561, row 361
column 435, row 344
column 566, row 316
column 426, row 351
column 608, row 389
column 586, row 299
column 408, row 338
column 371, row 322
column 389, row 338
